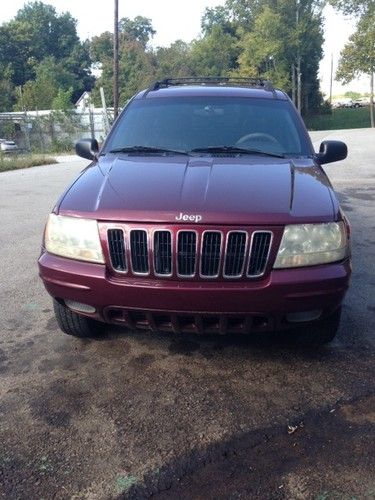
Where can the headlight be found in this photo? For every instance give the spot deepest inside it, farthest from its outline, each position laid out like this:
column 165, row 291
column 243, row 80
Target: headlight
column 312, row 244
column 73, row 238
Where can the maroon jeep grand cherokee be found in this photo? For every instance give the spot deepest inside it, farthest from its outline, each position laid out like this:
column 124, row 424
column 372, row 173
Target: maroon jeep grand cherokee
column 206, row 210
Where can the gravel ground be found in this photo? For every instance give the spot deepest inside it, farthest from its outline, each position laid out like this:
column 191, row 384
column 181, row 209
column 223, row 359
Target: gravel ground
column 135, row 415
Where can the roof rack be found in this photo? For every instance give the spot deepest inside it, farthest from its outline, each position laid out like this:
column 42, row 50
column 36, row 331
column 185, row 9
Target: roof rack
column 220, row 81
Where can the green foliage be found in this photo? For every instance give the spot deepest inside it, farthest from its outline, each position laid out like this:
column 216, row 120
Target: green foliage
column 49, row 66
column 139, row 29
column 358, row 56
column 217, row 16
column 15, row 162
column 35, row 35
column 136, row 68
column 279, row 36
column 215, row 54
column 352, row 95
column 101, row 47
column 356, row 7
column 340, row 119
column 63, row 100
column 174, row 61
column 50, row 77
column 263, row 49
column 7, row 130
column 6, row 89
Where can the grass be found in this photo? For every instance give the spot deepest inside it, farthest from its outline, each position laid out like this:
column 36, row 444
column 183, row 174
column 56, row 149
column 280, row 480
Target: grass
column 340, row 119
column 15, row 161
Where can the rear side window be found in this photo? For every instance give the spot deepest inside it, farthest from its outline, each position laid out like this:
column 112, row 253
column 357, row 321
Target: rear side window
column 187, row 123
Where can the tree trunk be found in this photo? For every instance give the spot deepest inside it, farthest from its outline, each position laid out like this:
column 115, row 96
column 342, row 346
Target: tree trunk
column 294, row 85
column 372, row 100
column 299, row 85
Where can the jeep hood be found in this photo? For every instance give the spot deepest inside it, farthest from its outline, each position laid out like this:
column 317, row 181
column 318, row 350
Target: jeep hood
column 246, row 190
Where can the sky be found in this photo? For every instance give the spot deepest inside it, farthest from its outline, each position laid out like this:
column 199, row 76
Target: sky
column 176, row 19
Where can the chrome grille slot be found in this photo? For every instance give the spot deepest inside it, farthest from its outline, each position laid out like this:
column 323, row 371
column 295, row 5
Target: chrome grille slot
column 139, row 251
column 186, row 253
column 116, row 246
column 210, row 256
column 235, row 254
column 163, row 253
column 259, row 252
column 206, row 253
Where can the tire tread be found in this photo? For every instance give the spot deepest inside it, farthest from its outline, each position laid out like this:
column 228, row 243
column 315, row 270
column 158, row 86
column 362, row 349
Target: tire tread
column 75, row 324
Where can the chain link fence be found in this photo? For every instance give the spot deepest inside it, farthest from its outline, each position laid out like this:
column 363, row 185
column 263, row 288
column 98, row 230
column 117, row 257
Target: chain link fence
column 53, row 131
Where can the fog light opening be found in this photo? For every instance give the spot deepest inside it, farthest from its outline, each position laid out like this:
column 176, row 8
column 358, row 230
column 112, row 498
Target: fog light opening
column 301, row 317
column 79, row 307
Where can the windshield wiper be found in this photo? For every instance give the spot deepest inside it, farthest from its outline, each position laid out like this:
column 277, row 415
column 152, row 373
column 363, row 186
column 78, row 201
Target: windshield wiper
column 148, row 149
column 235, row 149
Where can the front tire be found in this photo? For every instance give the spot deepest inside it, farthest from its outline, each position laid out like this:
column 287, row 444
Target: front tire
column 321, row 332
column 74, row 324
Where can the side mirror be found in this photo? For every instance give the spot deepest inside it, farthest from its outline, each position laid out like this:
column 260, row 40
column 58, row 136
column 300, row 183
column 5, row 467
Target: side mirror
column 87, row 148
column 331, row 151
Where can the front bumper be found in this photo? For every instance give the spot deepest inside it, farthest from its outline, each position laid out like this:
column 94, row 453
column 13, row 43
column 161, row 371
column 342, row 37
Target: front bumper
column 197, row 306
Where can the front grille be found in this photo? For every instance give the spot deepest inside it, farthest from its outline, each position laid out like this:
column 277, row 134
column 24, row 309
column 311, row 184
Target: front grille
column 139, row 251
column 235, row 254
column 210, row 258
column 163, row 253
column 260, row 249
column 186, row 253
column 116, row 245
column 200, row 253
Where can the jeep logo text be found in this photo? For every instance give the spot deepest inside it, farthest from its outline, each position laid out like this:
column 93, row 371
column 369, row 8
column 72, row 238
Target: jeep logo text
column 187, row 217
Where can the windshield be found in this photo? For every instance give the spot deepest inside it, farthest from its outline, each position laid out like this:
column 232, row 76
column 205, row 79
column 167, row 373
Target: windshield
column 199, row 123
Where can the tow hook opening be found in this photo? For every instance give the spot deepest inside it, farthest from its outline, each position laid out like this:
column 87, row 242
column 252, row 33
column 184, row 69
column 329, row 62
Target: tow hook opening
column 79, row 307
column 302, row 317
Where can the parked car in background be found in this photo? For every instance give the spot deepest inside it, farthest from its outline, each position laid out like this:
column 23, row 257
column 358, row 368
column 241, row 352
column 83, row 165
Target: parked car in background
column 8, row 146
column 351, row 103
column 205, row 211
column 361, row 103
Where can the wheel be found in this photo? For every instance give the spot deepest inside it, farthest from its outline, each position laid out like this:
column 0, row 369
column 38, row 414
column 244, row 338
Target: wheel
column 321, row 332
column 74, row 324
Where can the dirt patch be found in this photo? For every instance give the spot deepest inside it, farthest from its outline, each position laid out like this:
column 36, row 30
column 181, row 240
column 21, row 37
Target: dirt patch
column 361, row 413
column 275, row 463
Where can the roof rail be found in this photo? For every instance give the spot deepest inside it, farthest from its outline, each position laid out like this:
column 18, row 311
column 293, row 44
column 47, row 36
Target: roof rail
column 220, row 81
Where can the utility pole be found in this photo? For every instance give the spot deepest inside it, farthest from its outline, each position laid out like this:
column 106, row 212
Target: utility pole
column 115, row 62
column 372, row 98
column 331, row 84
column 298, row 66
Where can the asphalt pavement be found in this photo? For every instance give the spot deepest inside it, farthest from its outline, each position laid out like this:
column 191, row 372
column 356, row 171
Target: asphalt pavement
column 136, row 415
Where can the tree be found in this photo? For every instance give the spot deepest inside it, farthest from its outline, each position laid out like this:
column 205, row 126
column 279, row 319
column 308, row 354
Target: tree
column 173, row 61
column 38, row 94
column 63, row 100
column 101, row 47
column 215, row 54
column 139, row 29
column 217, row 16
column 358, row 56
column 352, row 95
column 356, row 7
column 38, row 33
column 136, row 68
column 263, row 50
column 6, row 89
column 282, row 41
